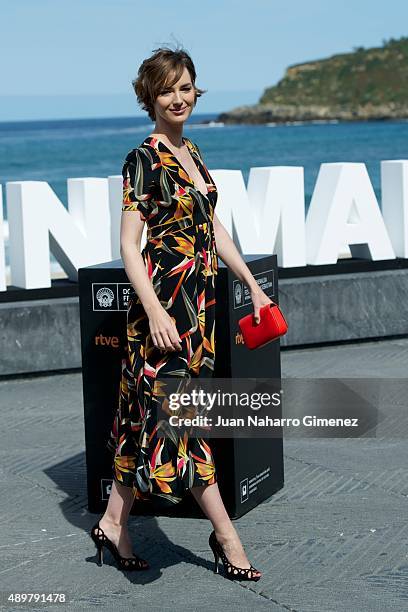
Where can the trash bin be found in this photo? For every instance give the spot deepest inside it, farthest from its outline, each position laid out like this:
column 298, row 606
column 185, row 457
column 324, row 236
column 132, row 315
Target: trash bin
column 249, row 470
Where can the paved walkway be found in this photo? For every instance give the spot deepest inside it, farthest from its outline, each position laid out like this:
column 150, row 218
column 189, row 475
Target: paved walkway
column 333, row 539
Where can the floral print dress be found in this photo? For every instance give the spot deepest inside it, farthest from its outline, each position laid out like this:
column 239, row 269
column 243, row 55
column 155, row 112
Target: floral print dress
column 181, row 261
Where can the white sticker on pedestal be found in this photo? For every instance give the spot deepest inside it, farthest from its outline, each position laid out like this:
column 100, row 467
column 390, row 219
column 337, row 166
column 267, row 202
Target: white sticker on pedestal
column 244, row 490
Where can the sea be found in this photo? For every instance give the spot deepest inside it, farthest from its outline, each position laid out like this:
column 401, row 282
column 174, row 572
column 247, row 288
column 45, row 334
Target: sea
column 55, row 150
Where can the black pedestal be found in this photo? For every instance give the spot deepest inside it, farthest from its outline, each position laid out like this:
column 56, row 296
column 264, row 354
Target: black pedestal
column 248, row 470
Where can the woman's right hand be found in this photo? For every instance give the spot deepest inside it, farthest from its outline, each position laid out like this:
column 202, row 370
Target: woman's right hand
column 164, row 331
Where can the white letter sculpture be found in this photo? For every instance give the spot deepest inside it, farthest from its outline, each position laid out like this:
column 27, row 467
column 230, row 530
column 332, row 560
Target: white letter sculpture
column 39, row 222
column 345, row 211
column 394, row 203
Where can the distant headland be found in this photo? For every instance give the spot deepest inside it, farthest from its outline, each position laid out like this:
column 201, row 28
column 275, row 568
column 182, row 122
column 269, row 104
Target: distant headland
column 364, row 85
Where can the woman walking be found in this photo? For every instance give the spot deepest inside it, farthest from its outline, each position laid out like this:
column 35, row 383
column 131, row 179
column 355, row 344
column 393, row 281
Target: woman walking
column 171, row 316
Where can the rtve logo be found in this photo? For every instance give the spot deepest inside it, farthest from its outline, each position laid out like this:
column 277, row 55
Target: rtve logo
column 239, row 339
column 102, row 340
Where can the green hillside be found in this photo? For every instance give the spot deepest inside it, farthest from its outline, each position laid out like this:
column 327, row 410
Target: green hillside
column 364, row 84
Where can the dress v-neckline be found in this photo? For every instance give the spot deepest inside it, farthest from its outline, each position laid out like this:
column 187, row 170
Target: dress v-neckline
column 198, row 165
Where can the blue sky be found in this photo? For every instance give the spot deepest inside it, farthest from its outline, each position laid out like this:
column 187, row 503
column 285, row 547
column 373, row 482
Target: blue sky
column 76, row 58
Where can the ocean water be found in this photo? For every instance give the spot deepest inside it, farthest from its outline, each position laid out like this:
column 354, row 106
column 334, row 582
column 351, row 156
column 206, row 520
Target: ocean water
column 53, row 151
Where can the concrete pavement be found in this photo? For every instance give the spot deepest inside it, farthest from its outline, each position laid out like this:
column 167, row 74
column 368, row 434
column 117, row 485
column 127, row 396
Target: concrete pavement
column 333, row 539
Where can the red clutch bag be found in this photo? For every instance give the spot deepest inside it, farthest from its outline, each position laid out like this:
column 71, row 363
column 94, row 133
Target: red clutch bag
column 272, row 324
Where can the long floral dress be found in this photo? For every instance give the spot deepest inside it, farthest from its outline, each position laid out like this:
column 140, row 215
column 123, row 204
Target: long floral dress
column 181, row 260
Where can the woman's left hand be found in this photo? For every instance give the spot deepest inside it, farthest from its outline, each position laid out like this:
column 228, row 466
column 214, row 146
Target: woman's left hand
column 259, row 299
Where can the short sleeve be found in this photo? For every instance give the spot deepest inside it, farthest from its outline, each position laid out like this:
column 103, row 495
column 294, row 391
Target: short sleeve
column 140, row 182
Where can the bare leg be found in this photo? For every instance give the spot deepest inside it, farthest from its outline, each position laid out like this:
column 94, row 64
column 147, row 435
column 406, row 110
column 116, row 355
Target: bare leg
column 210, row 501
column 114, row 520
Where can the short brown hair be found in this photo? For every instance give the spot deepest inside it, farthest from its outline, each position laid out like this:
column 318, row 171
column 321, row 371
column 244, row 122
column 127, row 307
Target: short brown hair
column 153, row 74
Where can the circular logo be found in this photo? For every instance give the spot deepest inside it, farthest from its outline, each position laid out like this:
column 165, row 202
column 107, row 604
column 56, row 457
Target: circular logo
column 105, row 297
column 238, row 294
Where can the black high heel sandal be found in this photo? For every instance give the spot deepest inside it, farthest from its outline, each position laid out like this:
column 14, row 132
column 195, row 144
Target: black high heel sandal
column 232, row 571
column 124, row 563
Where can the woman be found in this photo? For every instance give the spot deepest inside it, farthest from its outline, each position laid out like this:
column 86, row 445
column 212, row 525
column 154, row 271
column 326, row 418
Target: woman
column 171, row 316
